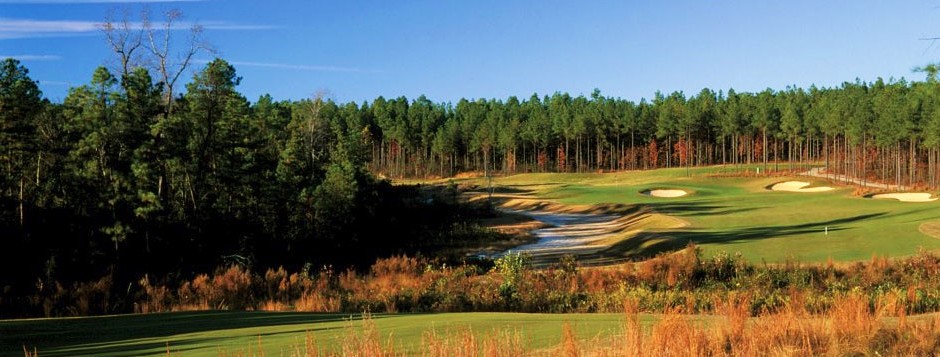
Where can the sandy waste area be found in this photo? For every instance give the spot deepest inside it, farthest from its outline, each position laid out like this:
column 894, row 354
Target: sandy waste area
column 666, row 193
column 906, row 197
column 569, row 231
column 799, row 186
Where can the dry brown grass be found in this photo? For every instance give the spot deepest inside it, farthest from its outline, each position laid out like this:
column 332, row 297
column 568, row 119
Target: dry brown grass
column 513, row 223
column 366, row 341
column 468, row 174
column 465, row 343
column 569, row 342
column 405, row 284
column 853, row 326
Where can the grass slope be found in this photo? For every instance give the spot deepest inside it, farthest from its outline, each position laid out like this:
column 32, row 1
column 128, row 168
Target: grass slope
column 217, row 333
column 739, row 214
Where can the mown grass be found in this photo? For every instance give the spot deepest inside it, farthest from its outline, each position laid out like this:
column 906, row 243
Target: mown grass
column 279, row 333
column 852, row 327
column 739, row 214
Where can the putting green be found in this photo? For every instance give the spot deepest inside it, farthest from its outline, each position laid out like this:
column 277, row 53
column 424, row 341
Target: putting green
column 739, row 214
column 931, row 229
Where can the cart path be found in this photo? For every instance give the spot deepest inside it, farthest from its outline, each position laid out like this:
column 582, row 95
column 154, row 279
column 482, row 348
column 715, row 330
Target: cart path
column 817, row 172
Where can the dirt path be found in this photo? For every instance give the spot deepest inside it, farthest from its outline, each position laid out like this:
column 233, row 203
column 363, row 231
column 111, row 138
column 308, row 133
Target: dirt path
column 817, row 172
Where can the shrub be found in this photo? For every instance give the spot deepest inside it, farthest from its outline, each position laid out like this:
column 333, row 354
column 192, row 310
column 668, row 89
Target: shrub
column 511, row 267
column 405, row 284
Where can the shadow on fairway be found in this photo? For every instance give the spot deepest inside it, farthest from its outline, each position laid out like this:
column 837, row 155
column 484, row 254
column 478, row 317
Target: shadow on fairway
column 505, row 189
column 649, row 244
column 139, row 334
column 696, row 208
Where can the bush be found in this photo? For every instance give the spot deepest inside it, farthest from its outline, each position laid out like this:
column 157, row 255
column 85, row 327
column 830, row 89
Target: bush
column 511, row 268
column 681, row 281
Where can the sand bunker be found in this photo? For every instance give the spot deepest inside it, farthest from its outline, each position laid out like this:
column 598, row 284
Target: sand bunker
column 906, row 197
column 665, row 193
column 585, row 234
column 567, row 232
column 799, row 186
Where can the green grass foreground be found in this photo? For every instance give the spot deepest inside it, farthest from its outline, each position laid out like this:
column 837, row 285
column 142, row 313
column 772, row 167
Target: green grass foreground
column 740, row 214
column 280, row 333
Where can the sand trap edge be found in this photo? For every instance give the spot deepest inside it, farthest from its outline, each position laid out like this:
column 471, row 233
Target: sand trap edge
column 906, row 196
column 665, row 193
column 797, row 186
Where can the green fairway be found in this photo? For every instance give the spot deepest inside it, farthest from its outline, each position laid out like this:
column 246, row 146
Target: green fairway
column 215, row 333
column 740, row 214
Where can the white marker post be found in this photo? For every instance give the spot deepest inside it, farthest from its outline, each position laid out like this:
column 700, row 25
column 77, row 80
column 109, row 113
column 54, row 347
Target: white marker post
column 827, row 231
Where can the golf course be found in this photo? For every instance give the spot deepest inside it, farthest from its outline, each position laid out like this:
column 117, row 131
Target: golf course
column 465, row 178
column 725, row 213
column 604, row 220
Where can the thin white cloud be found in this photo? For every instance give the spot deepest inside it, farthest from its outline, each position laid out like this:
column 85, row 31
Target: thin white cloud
column 216, row 25
column 54, row 83
column 294, row 67
column 32, row 57
column 26, row 28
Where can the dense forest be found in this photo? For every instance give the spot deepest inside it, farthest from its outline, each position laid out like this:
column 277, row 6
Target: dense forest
column 126, row 177
column 121, row 180
column 882, row 131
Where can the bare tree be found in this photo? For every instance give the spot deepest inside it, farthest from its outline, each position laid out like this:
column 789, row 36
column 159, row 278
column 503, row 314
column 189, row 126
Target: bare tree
column 144, row 44
column 313, row 129
column 169, row 64
column 124, row 39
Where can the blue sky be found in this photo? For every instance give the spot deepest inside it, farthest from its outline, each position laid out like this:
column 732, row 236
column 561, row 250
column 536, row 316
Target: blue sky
column 358, row 50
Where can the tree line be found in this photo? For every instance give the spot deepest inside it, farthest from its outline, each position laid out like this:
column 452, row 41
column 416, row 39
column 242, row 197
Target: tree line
column 886, row 131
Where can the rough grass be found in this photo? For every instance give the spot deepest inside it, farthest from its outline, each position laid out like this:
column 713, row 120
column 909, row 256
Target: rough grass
column 728, row 213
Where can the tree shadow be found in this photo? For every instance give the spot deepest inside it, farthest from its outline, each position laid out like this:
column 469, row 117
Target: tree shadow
column 133, row 334
column 649, row 244
column 507, row 190
column 696, row 208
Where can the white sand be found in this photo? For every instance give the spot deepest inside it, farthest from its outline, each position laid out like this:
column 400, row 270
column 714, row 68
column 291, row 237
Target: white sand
column 585, row 234
column 798, row 186
column 569, row 232
column 668, row 193
column 906, row 197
